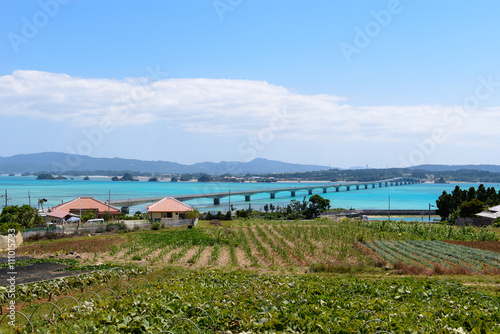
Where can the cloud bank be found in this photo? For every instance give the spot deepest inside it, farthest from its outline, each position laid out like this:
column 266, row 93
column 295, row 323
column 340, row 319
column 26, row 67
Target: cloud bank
column 221, row 107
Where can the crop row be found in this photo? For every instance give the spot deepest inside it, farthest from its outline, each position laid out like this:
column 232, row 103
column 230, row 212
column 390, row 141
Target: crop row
column 298, row 243
column 59, row 286
column 429, row 253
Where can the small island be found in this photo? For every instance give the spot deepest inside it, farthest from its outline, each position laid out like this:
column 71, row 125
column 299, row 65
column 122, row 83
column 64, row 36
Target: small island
column 86, row 178
column 125, row 177
column 47, row 176
column 440, row 180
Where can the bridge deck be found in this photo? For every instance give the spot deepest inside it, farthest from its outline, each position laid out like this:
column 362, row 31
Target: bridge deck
column 217, row 196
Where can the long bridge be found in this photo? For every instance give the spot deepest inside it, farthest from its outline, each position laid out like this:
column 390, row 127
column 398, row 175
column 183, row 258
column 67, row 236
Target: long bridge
column 127, row 203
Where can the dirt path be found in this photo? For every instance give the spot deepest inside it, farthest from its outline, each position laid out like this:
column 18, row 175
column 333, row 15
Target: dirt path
column 189, row 254
column 224, row 258
column 242, row 258
column 204, row 257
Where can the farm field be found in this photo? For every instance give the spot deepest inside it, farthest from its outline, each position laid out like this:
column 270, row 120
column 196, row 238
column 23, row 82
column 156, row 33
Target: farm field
column 212, row 301
column 296, row 246
column 253, row 276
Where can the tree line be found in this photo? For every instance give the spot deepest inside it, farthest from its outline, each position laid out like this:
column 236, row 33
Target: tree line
column 466, row 203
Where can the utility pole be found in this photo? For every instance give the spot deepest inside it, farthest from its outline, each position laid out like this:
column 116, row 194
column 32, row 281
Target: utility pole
column 430, row 205
column 5, row 197
column 109, row 200
column 29, row 198
column 229, row 200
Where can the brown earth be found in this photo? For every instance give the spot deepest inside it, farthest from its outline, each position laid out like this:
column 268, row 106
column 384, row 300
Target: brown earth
column 78, row 245
column 493, row 246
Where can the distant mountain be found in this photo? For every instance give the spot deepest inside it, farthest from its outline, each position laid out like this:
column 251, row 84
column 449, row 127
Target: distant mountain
column 55, row 163
column 454, row 168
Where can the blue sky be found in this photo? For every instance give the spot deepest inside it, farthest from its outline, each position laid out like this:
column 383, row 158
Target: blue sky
column 340, row 83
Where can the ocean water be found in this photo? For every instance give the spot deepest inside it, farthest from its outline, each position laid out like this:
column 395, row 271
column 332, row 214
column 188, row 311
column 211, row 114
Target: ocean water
column 416, row 197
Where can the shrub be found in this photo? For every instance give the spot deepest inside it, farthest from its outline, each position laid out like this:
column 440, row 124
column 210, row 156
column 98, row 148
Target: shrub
column 156, row 226
column 116, row 226
column 136, row 258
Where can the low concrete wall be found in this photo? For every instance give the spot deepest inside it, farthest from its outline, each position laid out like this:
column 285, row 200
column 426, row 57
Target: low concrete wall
column 473, row 221
column 179, row 222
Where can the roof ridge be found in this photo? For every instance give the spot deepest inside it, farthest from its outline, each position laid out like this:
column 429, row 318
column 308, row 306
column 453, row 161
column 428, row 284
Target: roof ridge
column 180, row 202
column 156, row 203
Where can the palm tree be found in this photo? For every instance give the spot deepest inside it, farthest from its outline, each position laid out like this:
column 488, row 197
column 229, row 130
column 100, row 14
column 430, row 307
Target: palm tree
column 41, row 201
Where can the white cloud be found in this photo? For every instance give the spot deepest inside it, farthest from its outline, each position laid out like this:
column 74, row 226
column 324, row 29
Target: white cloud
column 225, row 108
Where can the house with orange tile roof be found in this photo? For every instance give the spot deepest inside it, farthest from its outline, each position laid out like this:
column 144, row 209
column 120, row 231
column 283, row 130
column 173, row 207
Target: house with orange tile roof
column 168, row 208
column 81, row 205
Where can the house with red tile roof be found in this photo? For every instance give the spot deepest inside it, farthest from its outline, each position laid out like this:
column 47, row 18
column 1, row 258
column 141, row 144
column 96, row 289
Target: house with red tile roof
column 168, row 208
column 82, row 205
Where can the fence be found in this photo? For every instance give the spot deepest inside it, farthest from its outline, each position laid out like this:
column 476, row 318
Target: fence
column 86, row 228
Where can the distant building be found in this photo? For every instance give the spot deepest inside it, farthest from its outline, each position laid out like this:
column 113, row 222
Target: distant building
column 81, row 205
column 58, row 217
column 168, row 208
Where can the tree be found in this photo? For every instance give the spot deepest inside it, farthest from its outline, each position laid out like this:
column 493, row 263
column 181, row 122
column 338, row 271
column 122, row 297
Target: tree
column 41, row 201
column 482, row 195
column 88, row 215
column 192, row 215
column 242, row 214
column 444, row 205
column 17, row 218
column 470, row 208
column 317, row 205
column 266, row 207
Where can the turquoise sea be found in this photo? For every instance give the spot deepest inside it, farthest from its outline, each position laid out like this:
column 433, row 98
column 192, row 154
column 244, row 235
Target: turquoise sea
column 21, row 188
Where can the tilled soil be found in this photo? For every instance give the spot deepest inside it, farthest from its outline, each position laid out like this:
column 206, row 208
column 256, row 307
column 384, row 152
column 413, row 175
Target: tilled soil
column 493, row 246
column 35, row 272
